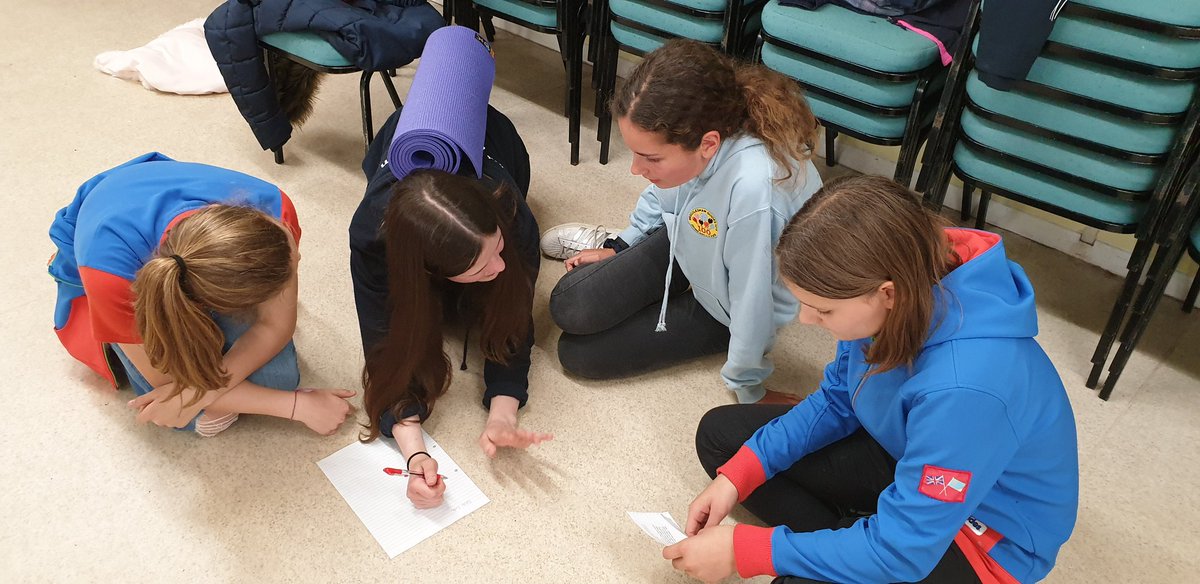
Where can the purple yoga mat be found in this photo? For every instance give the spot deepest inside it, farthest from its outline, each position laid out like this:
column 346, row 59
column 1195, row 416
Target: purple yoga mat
column 445, row 114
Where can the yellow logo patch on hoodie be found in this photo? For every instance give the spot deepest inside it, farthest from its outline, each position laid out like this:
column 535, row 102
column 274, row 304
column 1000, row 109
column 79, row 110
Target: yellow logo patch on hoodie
column 703, row 222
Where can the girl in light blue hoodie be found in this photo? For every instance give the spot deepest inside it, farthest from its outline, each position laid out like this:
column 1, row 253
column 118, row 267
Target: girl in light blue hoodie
column 726, row 149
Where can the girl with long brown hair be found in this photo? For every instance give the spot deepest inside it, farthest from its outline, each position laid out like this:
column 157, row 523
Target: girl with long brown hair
column 726, row 148
column 181, row 277
column 435, row 249
column 940, row 446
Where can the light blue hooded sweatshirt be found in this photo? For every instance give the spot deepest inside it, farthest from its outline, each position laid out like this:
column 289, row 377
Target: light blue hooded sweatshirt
column 723, row 226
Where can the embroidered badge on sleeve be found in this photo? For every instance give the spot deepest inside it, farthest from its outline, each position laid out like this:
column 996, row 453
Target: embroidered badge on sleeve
column 944, row 484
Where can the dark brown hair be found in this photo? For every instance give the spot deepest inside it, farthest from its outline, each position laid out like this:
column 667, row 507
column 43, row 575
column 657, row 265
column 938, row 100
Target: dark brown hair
column 685, row 89
column 434, row 228
column 857, row 233
column 235, row 259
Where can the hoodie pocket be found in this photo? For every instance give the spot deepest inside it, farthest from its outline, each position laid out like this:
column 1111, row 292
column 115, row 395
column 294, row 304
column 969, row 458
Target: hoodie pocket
column 715, row 307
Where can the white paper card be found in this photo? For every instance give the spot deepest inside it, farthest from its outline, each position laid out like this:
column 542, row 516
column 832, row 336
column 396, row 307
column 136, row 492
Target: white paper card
column 661, row 527
column 380, row 501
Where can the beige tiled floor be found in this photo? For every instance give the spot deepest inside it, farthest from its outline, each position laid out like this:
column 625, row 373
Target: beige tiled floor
column 89, row 496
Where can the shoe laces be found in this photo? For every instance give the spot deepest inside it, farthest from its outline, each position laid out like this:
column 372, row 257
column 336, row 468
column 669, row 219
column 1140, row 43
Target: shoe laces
column 584, row 238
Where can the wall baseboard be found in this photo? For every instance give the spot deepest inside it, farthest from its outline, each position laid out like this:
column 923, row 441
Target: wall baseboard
column 1099, row 253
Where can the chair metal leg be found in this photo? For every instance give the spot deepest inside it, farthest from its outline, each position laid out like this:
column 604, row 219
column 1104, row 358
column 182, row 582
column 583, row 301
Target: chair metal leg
column 1143, row 311
column 939, row 148
column 965, row 207
column 1141, row 249
column 830, row 154
column 981, row 215
column 1190, row 301
column 391, row 89
column 489, row 28
column 604, row 125
column 564, row 51
column 598, row 33
column 572, row 39
column 913, row 134
column 364, row 88
column 268, row 60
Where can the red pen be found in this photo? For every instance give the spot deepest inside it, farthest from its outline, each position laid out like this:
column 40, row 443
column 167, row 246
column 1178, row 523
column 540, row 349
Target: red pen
column 402, row 472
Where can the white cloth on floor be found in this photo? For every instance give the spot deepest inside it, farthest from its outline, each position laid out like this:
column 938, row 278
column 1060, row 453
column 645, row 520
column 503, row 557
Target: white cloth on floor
column 178, row 61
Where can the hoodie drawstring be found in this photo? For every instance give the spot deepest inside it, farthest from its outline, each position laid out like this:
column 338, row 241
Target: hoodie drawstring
column 662, row 311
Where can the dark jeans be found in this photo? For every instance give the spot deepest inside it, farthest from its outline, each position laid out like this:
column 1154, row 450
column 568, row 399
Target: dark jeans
column 828, row 489
column 608, row 312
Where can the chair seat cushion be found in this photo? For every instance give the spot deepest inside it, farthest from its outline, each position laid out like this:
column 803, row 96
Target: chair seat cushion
column 1051, row 191
column 1127, row 43
column 1077, row 161
column 668, row 21
column 632, row 38
column 855, row 118
column 708, row 5
column 1073, row 120
column 308, row 46
column 862, row 39
column 812, row 72
column 546, row 16
column 1176, row 12
column 1110, row 85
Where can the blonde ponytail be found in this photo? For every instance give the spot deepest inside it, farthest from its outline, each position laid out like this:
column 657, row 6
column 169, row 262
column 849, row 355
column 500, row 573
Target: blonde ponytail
column 180, row 338
column 222, row 259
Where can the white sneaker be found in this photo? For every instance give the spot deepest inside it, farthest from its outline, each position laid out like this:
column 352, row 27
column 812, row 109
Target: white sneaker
column 567, row 240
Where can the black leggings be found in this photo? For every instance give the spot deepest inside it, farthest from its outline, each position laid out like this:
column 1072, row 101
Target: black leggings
column 608, row 312
column 828, row 489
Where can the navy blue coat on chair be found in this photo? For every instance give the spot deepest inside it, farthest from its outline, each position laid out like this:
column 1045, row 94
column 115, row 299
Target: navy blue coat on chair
column 374, row 35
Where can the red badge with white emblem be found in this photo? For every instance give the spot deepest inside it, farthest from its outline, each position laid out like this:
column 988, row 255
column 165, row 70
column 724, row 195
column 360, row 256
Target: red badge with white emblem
column 944, row 484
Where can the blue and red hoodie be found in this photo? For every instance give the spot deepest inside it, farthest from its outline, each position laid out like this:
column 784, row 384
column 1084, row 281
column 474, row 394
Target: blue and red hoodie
column 981, row 429
column 113, row 226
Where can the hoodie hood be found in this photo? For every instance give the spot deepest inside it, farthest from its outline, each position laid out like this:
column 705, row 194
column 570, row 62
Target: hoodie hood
column 987, row 296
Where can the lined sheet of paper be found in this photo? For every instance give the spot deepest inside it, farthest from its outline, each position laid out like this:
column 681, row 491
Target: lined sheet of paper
column 661, row 527
column 379, row 499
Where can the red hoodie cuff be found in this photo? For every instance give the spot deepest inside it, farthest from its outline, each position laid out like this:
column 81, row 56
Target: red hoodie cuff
column 745, row 472
column 752, row 550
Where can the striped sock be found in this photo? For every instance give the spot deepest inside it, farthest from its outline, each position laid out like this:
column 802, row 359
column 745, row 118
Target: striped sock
column 209, row 427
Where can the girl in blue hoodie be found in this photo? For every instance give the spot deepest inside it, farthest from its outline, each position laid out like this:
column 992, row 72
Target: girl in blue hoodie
column 940, row 446
column 726, row 149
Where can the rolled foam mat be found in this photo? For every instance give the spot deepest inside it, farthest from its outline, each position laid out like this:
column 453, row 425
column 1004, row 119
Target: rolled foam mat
column 445, row 116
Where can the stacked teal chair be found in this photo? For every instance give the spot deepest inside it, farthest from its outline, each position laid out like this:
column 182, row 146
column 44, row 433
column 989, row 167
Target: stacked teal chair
column 1098, row 133
column 561, row 18
column 311, row 51
column 640, row 26
column 864, row 76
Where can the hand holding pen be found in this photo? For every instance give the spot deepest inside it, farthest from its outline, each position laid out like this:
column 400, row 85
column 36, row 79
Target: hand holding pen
column 425, row 486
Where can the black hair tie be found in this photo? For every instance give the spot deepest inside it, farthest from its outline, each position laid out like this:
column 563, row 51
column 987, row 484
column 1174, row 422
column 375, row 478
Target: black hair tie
column 183, row 279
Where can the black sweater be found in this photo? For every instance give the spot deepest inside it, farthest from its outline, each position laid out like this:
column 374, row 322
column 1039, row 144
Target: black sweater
column 505, row 162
